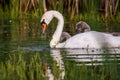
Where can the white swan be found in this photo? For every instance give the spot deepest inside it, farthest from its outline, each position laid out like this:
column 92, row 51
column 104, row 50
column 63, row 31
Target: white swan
column 91, row 39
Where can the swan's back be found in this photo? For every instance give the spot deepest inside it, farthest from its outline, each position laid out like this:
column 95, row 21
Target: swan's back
column 91, row 39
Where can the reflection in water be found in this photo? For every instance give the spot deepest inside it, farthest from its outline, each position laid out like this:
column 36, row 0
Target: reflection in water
column 49, row 73
column 35, row 48
column 88, row 57
column 55, row 53
column 93, row 56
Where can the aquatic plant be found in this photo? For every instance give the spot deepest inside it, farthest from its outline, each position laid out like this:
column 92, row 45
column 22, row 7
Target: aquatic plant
column 17, row 67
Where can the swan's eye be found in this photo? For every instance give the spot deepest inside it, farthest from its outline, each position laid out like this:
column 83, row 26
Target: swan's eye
column 43, row 22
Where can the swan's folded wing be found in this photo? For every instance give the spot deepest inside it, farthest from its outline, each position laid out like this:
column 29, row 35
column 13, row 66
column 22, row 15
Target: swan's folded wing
column 92, row 39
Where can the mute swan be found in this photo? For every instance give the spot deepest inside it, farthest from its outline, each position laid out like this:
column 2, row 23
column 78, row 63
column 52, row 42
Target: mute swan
column 91, row 39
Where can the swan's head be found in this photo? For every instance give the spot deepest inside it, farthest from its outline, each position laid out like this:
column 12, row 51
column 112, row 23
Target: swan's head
column 45, row 20
column 44, row 25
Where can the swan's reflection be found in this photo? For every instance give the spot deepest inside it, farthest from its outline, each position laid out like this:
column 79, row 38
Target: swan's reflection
column 55, row 53
column 92, row 56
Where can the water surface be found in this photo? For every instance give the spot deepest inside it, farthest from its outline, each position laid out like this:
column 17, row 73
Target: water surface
column 25, row 36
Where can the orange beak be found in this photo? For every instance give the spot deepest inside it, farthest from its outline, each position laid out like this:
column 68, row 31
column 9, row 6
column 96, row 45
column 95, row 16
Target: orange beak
column 44, row 25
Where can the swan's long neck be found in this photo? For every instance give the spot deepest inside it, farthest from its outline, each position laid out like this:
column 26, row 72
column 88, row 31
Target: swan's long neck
column 57, row 34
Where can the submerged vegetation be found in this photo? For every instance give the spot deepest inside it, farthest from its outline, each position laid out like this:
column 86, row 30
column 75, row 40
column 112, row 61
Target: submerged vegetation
column 32, row 67
column 17, row 67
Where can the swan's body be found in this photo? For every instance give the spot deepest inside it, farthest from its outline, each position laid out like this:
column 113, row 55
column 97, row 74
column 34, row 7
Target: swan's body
column 91, row 39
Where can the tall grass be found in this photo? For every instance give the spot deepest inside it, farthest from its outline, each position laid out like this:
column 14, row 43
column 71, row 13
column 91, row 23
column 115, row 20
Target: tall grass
column 14, row 9
column 87, row 10
column 20, row 8
column 27, row 66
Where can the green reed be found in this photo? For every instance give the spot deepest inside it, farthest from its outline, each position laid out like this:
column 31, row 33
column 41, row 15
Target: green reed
column 16, row 67
column 27, row 66
column 88, row 10
column 30, row 66
column 83, row 72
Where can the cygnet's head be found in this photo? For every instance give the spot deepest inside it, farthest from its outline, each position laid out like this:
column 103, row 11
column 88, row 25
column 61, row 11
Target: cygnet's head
column 64, row 36
column 82, row 27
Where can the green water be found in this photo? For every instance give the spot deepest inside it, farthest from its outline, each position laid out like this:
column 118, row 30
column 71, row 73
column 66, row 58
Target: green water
column 24, row 49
